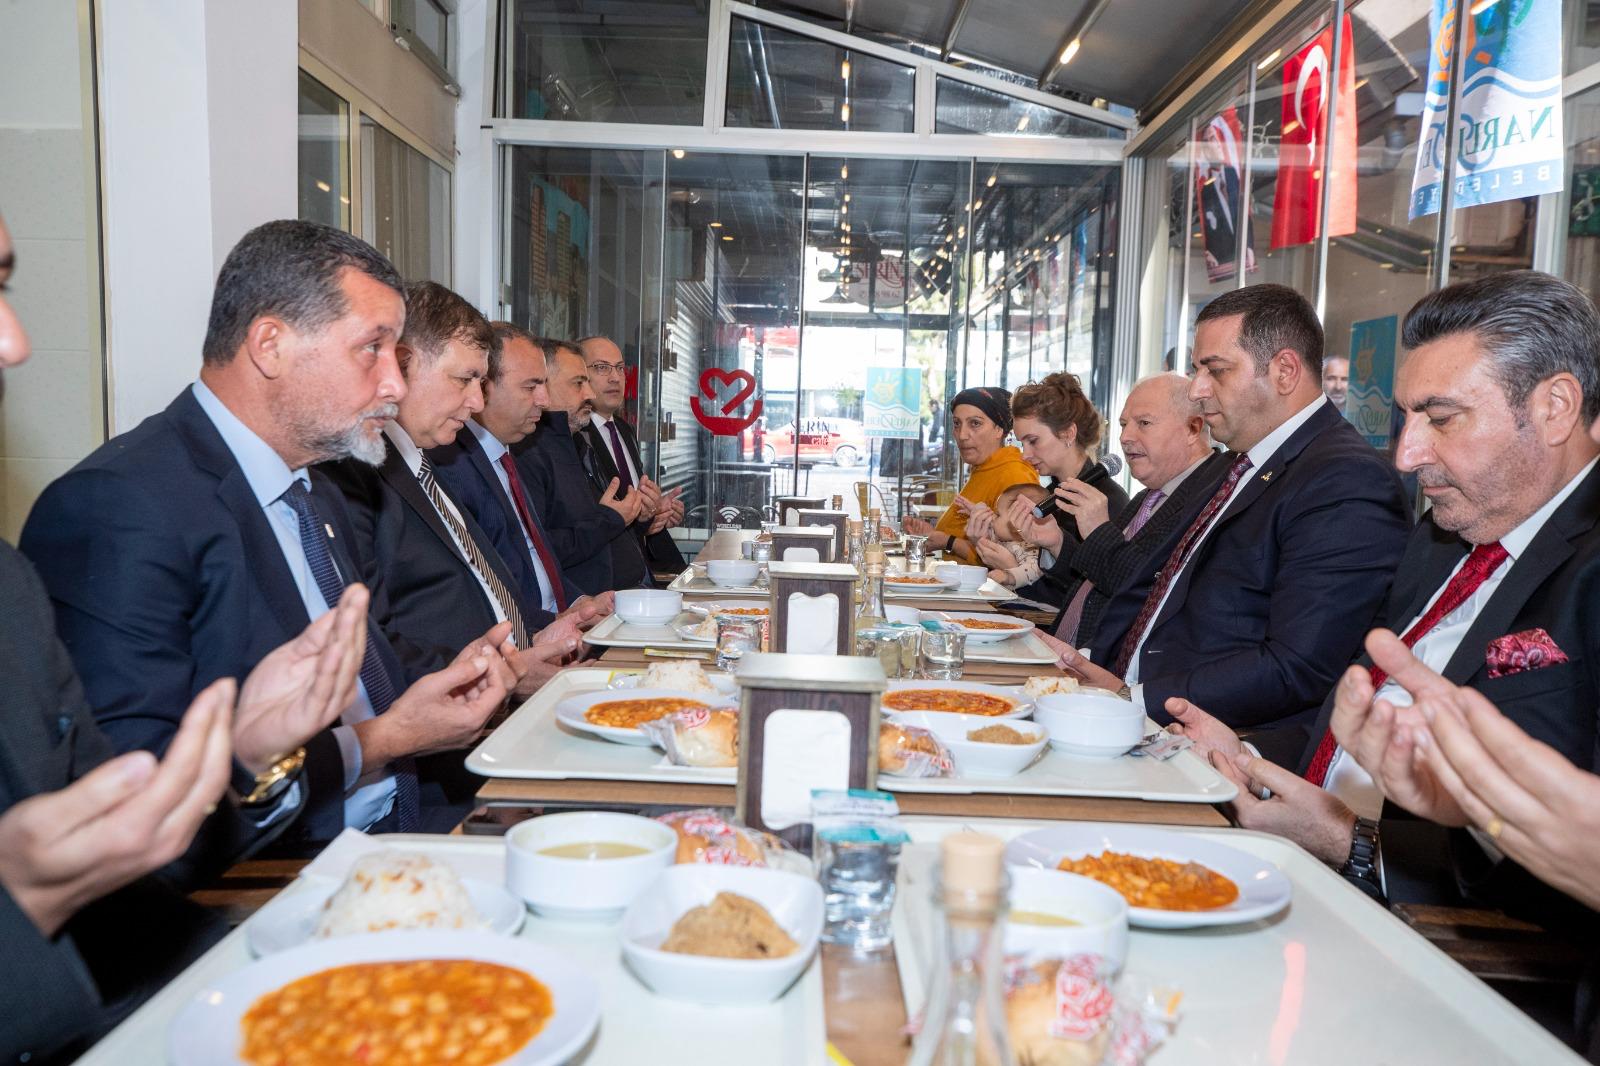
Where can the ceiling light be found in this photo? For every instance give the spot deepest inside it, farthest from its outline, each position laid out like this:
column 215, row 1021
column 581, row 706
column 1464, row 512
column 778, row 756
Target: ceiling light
column 844, row 70
column 324, row 186
column 1071, row 50
column 727, row 236
column 716, row 225
column 677, row 153
column 846, row 197
column 1290, row 126
column 344, row 199
column 844, row 172
column 844, row 209
column 977, row 205
column 1022, row 123
column 1272, row 57
column 990, row 183
column 961, row 231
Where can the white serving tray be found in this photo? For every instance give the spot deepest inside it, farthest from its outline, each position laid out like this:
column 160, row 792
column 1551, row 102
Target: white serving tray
column 990, row 591
column 1334, row 979
column 693, row 582
column 635, row 1024
column 531, row 745
column 1026, row 650
column 613, row 632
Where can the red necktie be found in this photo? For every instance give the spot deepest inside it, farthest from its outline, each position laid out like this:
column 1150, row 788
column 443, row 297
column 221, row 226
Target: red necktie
column 546, row 559
column 1484, row 561
column 621, row 455
column 1179, row 556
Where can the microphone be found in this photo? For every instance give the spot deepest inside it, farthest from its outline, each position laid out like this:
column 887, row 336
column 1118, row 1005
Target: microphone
column 1050, row 505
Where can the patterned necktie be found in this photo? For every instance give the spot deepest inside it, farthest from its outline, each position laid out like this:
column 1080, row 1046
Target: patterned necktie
column 547, row 559
column 474, row 555
column 620, row 454
column 1073, row 618
column 1480, row 565
column 1175, row 562
column 375, row 677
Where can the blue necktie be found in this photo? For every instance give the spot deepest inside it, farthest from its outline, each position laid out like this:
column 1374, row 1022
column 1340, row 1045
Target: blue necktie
column 374, row 676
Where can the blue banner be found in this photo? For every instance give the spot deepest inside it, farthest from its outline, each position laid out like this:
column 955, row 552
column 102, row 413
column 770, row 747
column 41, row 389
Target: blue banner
column 892, row 405
column 1508, row 121
column 1370, row 403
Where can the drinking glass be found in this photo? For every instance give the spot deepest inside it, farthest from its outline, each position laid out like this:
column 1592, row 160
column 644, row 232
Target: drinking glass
column 737, row 634
column 883, row 645
column 761, row 551
column 857, row 873
column 944, row 654
column 916, row 553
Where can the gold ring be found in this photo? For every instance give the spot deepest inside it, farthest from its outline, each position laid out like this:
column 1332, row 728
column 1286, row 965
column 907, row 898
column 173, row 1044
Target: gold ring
column 211, row 808
column 1494, row 827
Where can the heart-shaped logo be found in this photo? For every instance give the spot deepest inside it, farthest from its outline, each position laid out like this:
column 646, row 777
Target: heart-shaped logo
column 722, row 394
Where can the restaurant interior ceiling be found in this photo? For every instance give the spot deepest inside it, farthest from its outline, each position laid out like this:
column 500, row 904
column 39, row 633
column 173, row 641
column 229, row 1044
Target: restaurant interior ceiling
column 1128, row 50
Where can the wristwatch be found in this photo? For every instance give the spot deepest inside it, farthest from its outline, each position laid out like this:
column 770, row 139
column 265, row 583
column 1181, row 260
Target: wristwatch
column 1361, row 868
column 258, row 790
column 1125, row 692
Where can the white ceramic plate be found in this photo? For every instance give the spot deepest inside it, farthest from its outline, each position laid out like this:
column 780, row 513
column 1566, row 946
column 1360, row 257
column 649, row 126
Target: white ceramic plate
column 1263, row 889
column 723, row 683
column 207, row 1031
column 291, row 921
column 1022, row 709
column 570, row 711
column 899, row 583
column 699, row 612
column 976, row 758
column 1018, row 626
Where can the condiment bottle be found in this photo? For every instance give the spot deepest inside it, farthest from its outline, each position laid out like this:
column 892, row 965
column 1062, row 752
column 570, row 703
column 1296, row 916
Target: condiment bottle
column 870, row 610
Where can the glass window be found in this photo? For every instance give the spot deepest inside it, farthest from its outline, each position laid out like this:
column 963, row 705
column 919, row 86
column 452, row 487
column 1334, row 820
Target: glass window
column 1582, row 34
column 1288, row 156
column 964, row 108
column 1582, row 252
column 405, row 205
column 783, row 80
column 324, row 168
column 425, row 24
column 1223, row 237
column 603, row 61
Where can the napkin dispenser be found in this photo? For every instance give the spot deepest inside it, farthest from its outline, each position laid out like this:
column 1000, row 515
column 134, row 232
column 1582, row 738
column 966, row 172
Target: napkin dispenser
column 813, row 607
column 805, row 722
column 834, row 520
column 790, row 506
column 819, row 539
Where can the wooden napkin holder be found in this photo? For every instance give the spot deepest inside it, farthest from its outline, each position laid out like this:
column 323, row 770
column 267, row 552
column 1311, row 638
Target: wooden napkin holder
column 812, row 579
column 776, row 779
column 837, row 521
column 819, row 538
column 787, row 504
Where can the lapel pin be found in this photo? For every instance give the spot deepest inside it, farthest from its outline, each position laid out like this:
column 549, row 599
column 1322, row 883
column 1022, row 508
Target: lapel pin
column 1268, row 475
column 329, row 529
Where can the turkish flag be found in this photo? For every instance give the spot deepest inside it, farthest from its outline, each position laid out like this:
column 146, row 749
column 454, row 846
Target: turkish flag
column 1297, row 202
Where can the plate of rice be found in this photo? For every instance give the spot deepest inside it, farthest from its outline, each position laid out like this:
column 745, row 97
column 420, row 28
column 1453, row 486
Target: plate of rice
column 385, row 891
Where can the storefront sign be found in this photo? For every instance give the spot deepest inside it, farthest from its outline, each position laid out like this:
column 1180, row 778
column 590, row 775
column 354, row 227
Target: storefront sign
column 1370, row 404
column 892, row 403
column 1297, row 201
column 728, row 402
column 1508, row 122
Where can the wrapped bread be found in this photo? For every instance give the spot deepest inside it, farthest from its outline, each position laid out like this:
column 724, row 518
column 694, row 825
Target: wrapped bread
column 911, row 752
column 699, row 737
column 706, row 836
column 1054, row 685
column 1066, row 1012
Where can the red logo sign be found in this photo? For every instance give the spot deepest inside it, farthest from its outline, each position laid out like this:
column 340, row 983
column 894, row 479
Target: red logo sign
column 724, row 393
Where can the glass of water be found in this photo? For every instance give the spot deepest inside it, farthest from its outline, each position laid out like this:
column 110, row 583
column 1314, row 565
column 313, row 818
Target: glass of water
column 916, row 553
column 857, row 871
column 737, row 634
column 944, row 654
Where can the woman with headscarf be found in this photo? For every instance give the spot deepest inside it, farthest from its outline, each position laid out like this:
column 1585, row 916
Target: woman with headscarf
column 980, row 419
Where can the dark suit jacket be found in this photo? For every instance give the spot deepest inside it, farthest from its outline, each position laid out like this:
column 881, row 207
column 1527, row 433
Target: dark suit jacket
column 1052, row 585
column 435, row 600
column 1274, row 603
column 1109, row 562
column 165, row 575
column 591, row 541
column 470, row 480
column 660, row 550
column 118, row 950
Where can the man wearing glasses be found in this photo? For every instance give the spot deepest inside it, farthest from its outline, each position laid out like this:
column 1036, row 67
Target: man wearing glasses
column 616, row 449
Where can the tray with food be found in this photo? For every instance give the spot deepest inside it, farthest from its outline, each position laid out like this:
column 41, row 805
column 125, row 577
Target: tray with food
column 557, row 990
column 942, row 591
column 1025, row 649
column 983, row 628
column 1281, row 988
column 740, row 581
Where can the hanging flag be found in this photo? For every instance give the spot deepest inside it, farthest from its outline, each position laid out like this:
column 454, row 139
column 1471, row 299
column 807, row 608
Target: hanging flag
column 1297, row 201
column 1219, row 166
column 1508, row 118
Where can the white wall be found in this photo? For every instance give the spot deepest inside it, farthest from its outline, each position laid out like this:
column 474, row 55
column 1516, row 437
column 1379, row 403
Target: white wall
column 199, row 116
column 53, row 412
column 476, row 242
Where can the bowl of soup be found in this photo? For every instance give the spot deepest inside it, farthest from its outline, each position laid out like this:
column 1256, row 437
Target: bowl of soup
column 1055, row 915
column 586, row 864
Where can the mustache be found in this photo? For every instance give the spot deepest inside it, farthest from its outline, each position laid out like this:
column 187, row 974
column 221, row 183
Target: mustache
column 385, row 410
column 1433, row 478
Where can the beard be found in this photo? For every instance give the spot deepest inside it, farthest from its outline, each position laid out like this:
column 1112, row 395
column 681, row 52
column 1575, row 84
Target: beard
column 354, row 441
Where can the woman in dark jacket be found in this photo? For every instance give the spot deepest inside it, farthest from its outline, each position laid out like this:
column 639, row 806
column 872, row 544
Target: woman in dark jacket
column 1058, row 429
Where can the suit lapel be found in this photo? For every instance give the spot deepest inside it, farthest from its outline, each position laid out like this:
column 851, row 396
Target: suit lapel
column 405, row 484
column 602, row 451
column 630, row 441
column 480, row 462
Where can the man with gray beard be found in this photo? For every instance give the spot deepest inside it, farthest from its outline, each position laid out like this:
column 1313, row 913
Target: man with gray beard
column 191, row 546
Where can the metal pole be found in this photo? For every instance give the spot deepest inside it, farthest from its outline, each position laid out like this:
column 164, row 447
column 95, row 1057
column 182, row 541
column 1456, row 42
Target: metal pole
column 800, row 312
column 1241, row 243
column 1331, row 130
column 1447, row 189
column 1181, row 359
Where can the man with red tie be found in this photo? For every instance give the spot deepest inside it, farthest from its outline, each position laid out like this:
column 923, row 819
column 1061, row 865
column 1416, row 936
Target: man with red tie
column 480, row 473
column 1497, row 588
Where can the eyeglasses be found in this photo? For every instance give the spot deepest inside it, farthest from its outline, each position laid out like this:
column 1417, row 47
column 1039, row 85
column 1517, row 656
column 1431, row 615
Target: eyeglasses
column 607, row 369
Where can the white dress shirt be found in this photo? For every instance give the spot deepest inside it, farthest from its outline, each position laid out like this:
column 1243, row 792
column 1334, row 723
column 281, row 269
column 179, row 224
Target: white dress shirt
column 1260, row 455
column 493, row 449
column 1346, row 779
column 413, row 460
column 601, row 423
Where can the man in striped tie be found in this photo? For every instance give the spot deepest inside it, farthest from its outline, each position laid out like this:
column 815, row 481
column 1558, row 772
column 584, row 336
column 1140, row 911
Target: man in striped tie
column 1496, row 591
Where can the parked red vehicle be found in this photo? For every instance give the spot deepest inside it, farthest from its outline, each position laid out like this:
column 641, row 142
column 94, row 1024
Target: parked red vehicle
column 842, row 441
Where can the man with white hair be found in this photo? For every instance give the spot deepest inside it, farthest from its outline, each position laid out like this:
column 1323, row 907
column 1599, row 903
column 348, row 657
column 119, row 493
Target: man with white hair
column 1169, row 452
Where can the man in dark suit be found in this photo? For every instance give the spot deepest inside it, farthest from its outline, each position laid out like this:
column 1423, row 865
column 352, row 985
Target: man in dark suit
column 188, row 548
column 1169, row 452
column 616, row 450
column 445, row 582
column 588, row 518
column 479, row 472
column 89, row 927
column 1262, row 599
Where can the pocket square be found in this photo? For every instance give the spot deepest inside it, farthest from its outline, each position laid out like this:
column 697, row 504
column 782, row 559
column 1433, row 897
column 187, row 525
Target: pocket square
column 1517, row 653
